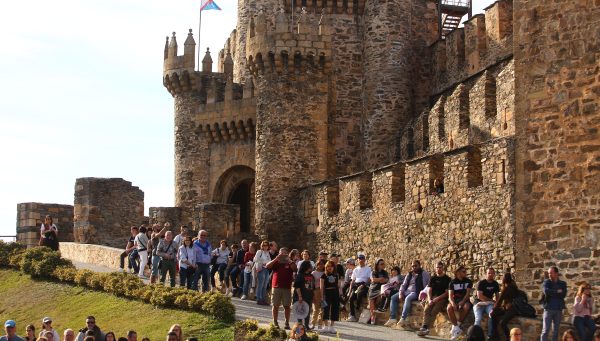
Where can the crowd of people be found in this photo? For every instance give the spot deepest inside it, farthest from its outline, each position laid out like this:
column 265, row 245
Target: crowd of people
column 324, row 289
column 91, row 332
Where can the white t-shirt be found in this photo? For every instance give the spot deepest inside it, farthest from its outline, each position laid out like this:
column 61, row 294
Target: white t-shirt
column 45, row 228
column 361, row 274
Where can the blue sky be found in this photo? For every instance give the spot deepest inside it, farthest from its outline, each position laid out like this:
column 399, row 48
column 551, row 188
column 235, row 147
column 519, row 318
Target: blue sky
column 81, row 94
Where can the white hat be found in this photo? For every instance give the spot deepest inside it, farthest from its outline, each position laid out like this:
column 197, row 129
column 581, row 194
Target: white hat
column 46, row 319
column 300, row 310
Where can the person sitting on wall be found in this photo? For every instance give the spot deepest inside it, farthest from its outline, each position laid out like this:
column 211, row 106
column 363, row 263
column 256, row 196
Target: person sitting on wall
column 437, row 297
column 487, row 290
column 350, row 265
column 459, row 292
column 358, row 286
column 504, row 310
column 414, row 282
column 390, row 288
column 49, row 234
column 129, row 248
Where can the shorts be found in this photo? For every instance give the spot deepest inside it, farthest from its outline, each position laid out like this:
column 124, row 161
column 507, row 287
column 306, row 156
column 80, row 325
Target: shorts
column 467, row 303
column 281, row 296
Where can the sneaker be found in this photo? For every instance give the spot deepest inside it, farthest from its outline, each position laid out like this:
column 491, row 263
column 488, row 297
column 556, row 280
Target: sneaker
column 332, row 330
column 244, row 297
column 423, row 331
column 391, row 323
column 403, row 322
column 287, row 325
column 276, row 324
column 456, row 331
column 352, row 319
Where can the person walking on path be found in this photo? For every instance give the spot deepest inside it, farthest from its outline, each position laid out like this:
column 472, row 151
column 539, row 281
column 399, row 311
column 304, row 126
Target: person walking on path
column 141, row 243
column 283, row 275
column 554, row 291
column 129, row 247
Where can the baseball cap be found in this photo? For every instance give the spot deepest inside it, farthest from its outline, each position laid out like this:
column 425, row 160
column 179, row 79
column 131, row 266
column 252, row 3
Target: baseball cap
column 323, row 253
column 9, row 323
column 46, row 319
column 361, row 256
column 333, row 254
column 350, row 261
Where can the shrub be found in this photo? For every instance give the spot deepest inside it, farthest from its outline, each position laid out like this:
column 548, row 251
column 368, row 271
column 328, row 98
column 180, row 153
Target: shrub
column 96, row 281
column 81, row 277
column 249, row 330
column 219, row 306
column 7, row 250
column 41, row 262
column 65, row 274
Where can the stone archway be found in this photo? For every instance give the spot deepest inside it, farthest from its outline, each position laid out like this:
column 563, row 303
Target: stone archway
column 236, row 186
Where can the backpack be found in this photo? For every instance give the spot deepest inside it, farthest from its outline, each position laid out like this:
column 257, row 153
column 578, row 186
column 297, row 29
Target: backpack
column 522, row 307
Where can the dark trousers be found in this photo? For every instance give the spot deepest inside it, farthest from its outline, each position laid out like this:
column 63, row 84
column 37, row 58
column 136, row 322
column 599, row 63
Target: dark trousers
column 167, row 265
column 133, row 260
column 235, row 273
column 186, row 277
column 220, row 268
column 332, row 311
column 585, row 327
column 359, row 291
column 501, row 317
column 122, row 260
column 202, row 272
column 385, row 303
column 307, row 319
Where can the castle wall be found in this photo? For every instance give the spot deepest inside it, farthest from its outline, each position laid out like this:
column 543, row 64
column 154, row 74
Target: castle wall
column 558, row 143
column 105, row 209
column 30, row 216
column 161, row 215
column 390, row 212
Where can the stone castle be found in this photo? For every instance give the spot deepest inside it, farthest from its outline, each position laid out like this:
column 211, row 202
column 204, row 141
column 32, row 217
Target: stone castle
column 328, row 121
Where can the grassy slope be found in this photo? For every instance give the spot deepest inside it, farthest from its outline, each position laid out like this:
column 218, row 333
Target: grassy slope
column 28, row 301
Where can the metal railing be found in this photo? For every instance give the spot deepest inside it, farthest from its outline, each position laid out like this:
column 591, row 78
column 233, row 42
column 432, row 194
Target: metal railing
column 8, row 238
column 460, row 3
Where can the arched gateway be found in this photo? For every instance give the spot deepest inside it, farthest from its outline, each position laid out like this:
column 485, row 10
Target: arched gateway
column 236, row 186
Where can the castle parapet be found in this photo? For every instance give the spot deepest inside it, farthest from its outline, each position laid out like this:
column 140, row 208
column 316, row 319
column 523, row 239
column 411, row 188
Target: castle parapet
column 485, row 40
column 277, row 50
column 174, row 62
column 329, row 6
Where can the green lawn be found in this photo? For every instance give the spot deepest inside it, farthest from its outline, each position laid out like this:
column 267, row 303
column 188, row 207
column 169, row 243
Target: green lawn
column 28, row 301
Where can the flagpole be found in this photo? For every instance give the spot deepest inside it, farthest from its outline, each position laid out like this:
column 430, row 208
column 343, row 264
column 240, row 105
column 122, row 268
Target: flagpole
column 199, row 29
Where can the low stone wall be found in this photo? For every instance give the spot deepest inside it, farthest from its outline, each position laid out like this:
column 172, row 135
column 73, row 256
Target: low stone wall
column 531, row 327
column 93, row 254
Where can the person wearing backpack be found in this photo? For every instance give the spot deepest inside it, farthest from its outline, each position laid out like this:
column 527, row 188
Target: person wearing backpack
column 554, row 291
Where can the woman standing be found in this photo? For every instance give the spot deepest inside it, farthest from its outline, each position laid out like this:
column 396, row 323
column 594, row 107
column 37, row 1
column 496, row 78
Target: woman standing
column 177, row 330
column 49, row 234
column 331, row 297
column 47, row 327
column 187, row 263
column 261, row 259
column 30, row 333
column 221, row 254
column 378, row 278
column 582, row 313
column 110, row 336
column 141, row 243
column 317, row 320
column 304, row 286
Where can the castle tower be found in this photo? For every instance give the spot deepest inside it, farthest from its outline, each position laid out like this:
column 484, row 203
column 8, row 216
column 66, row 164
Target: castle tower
column 292, row 69
column 214, row 142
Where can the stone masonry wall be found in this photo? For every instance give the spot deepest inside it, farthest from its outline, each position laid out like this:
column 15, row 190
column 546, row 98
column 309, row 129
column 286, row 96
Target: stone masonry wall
column 30, row 216
column 105, row 209
column 221, row 221
column 395, row 216
column 557, row 67
column 161, row 215
column 93, row 254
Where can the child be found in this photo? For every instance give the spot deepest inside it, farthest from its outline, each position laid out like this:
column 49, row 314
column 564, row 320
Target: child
column 317, row 321
column 298, row 333
column 331, row 297
column 230, row 265
column 350, row 265
column 304, row 286
column 390, row 288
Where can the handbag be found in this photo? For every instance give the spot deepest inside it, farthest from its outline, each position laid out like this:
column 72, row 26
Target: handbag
column 522, row 307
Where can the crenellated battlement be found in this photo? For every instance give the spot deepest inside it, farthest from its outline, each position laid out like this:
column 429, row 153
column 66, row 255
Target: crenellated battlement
column 328, row 6
column 484, row 40
column 306, row 49
column 175, row 63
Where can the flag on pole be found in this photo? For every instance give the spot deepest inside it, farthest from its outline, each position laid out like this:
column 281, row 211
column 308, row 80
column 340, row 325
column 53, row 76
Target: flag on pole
column 208, row 4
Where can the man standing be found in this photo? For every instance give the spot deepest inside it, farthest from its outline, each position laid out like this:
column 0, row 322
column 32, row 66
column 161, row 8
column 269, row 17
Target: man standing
column 415, row 281
column 359, row 286
column 11, row 332
column 459, row 292
column 183, row 232
column 129, row 248
column 167, row 251
column 487, row 294
column 437, row 297
column 554, row 291
column 283, row 275
column 202, row 248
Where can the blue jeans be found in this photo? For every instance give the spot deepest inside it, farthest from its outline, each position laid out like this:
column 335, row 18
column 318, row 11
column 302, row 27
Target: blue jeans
column 479, row 311
column 261, row 285
column 247, row 282
column 585, row 327
column 407, row 303
column 203, row 270
column 551, row 316
column 133, row 260
column 155, row 267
